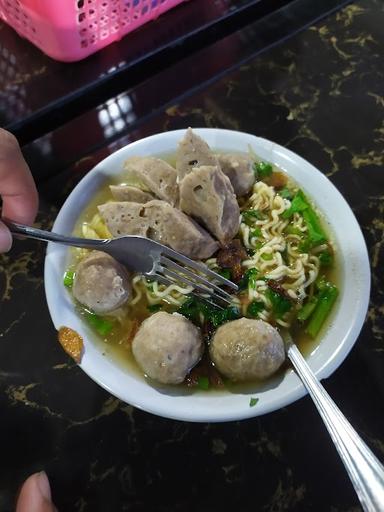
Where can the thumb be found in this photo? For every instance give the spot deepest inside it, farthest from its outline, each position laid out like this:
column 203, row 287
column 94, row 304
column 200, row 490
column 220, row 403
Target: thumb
column 35, row 495
column 5, row 238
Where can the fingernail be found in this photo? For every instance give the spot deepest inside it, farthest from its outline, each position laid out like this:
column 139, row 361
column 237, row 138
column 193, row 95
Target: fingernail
column 5, row 238
column 43, row 484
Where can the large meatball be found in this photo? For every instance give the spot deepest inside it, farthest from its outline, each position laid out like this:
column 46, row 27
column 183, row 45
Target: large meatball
column 101, row 283
column 247, row 349
column 167, row 347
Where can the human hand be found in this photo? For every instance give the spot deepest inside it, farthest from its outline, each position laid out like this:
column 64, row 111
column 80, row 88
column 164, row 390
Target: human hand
column 17, row 188
column 35, row 495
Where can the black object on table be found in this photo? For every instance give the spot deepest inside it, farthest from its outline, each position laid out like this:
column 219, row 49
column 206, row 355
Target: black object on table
column 318, row 93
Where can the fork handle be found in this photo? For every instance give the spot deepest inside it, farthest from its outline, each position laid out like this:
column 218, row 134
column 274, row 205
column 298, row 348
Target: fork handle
column 48, row 236
column 364, row 469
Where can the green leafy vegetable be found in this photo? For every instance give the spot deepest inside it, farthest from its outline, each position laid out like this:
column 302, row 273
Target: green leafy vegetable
column 280, row 304
column 68, row 278
column 253, row 402
column 249, row 279
column 191, row 309
column 315, row 231
column 267, row 256
column 255, row 232
column 203, row 383
column 326, row 258
column 263, row 169
column 293, row 230
column 221, row 316
column 306, row 311
column 224, row 272
column 153, row 308
column 250, row 216
column 254, row 308
column 299, row 203
column 194, row 309
column 100, row 324
column 285, row 193
column 326, row 299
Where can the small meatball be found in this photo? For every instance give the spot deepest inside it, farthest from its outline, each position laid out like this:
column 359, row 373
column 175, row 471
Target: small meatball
column 192, row 152
column 246, row 349
column 207, row 195
column 157, row 175
column 101, row 283
column 129, row 193
column 167, row 347
column 239, row 170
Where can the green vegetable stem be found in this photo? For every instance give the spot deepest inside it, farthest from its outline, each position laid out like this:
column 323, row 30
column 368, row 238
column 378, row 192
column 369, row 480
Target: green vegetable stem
column 100, row 324
column 326, row 299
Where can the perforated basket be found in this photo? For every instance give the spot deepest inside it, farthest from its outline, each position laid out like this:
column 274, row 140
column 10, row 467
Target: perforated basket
column 70, row 30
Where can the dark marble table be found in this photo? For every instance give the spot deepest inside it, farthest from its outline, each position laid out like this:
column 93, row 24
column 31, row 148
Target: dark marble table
column 319, row 93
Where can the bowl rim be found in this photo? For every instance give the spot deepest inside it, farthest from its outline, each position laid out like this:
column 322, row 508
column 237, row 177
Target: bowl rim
column 165, row 405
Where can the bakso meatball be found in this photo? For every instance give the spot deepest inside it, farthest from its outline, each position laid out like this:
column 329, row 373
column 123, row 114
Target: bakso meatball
column 247, row 349
column 167, row 347
column 239, row 170
column 101, row 283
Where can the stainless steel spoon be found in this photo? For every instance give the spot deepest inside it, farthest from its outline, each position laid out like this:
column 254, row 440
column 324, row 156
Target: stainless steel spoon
column 364, row 469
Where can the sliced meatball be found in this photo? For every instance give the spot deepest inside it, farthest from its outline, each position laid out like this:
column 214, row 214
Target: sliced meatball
column 246, row 349
column 159, row 221
column 167, row 347
column 172, row 227
column 129, row 193
column 207, row 194
column 239, row 170
column 124, row 218
column 192, row 152
column 101, row 283
column 157, row 175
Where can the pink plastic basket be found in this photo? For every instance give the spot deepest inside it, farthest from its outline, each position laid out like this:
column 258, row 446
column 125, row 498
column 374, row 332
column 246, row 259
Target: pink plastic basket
column 70, row 30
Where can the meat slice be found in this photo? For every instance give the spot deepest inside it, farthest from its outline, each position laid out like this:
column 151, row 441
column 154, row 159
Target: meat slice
column 101, row 283
column 192, row 152
column 239, row 170
column 129, row 193
column 157, row 175
column 124, row 218
column 207, row 194
column 161, row 222
column 172, row 227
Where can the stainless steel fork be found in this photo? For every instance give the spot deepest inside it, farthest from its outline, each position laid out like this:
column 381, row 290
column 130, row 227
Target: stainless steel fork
column 153, row 260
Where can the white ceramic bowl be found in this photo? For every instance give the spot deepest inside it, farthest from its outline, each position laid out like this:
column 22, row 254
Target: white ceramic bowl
column 336, row 342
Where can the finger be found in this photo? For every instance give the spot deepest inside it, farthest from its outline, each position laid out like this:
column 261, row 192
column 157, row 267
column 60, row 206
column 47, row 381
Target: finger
column 35, row 495
column 5, row 238
column 17, row 188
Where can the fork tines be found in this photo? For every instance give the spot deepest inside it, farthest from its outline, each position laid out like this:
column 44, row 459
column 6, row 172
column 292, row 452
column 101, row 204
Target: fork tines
column 174, row 267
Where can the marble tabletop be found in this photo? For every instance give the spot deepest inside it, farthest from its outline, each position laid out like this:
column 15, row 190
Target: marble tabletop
column 319, row 93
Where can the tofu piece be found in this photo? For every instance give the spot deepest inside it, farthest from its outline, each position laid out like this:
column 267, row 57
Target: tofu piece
column 207, row 195
column 157, row 175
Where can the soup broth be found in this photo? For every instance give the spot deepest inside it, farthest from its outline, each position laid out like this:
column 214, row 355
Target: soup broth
column 124, row 322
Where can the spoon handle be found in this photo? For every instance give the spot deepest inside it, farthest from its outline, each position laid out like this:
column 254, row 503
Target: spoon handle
column 364, row 469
